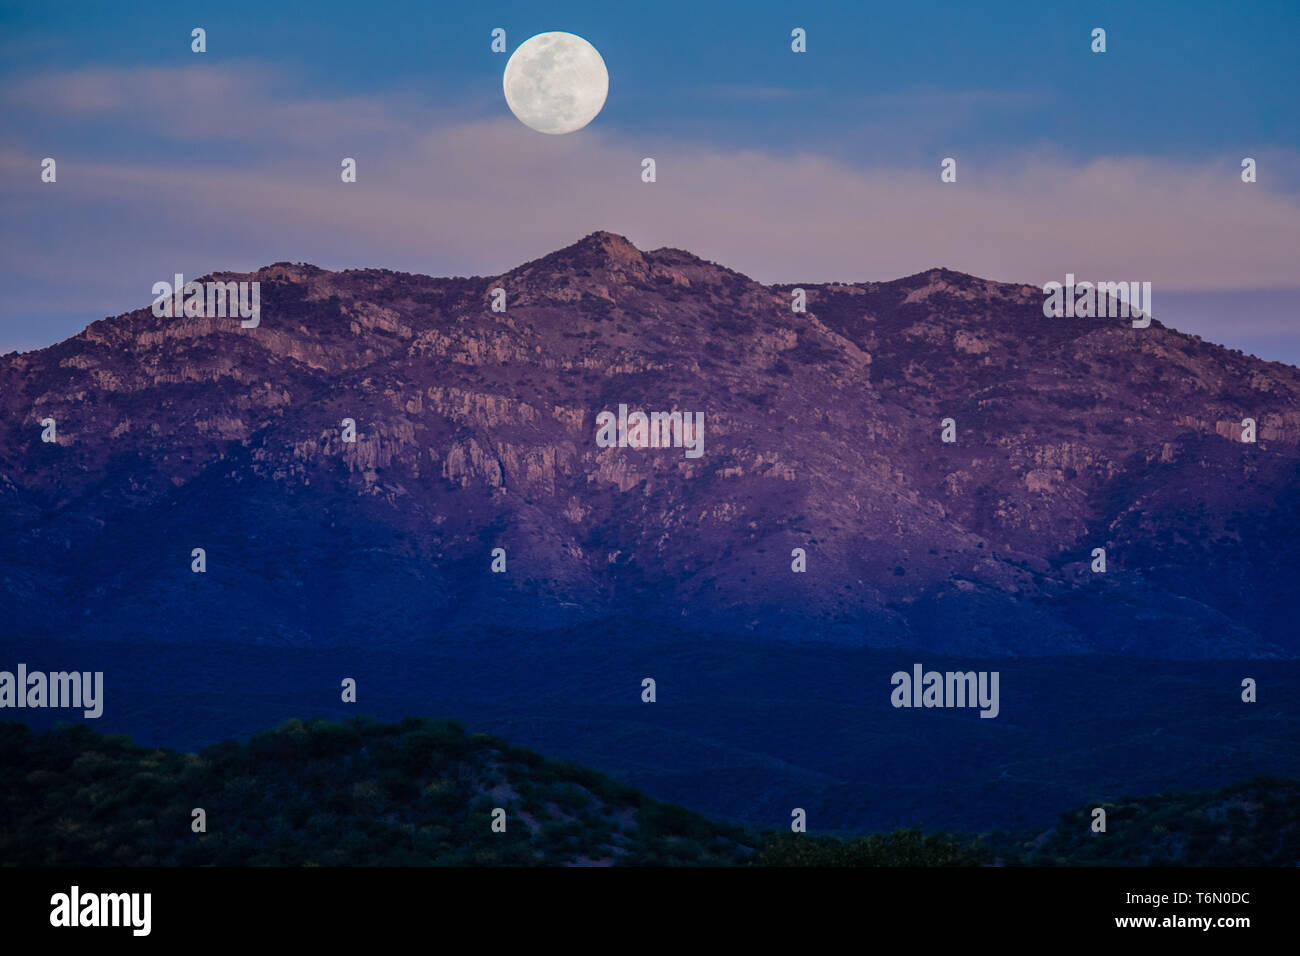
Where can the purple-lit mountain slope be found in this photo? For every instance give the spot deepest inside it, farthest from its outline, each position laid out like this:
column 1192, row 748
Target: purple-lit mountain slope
column 476, row 430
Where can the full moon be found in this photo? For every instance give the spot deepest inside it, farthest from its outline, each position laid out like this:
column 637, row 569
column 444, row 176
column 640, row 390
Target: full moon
column 555, row 82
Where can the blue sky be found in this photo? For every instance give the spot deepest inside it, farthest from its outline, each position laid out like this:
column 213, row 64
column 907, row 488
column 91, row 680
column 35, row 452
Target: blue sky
column 809, row 167
column 1177, row 79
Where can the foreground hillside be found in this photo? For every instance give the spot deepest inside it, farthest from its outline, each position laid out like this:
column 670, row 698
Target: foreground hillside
column 359, row 792
column 331, row 793
column 1255, row 822
column 346, row 793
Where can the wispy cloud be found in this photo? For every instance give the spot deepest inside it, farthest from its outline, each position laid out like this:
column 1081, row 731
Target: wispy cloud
column 438, row 193
column 917, row 114
column 238, row 103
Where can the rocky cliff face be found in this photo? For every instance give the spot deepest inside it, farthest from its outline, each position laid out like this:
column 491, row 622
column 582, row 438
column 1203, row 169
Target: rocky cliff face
column 477, row 429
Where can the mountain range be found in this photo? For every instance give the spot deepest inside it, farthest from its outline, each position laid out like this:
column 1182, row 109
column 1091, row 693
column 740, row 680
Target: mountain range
column 478, row 445
column 476, row 430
